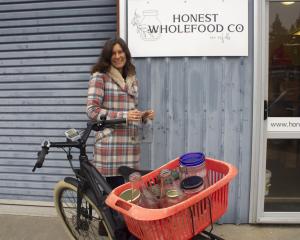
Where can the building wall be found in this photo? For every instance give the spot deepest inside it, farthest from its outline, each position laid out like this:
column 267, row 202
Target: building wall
column 46, row 50
column 202, row 104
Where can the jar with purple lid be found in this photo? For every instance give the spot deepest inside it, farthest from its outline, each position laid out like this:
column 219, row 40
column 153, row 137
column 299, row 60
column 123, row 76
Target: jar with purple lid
column 192, row 164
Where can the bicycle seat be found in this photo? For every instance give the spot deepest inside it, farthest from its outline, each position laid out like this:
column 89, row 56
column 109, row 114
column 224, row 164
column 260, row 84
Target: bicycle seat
column 126, row 171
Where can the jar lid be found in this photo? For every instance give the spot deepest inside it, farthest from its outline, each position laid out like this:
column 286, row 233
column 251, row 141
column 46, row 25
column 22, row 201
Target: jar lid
column 191, row 182
column 130, row 195
column 192, row 159
column 172, row 193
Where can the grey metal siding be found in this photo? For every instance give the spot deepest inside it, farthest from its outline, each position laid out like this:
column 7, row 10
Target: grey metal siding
column 46, row 51
column 202, row 104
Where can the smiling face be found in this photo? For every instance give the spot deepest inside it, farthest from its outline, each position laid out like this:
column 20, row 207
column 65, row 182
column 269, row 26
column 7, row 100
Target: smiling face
column 118, row 57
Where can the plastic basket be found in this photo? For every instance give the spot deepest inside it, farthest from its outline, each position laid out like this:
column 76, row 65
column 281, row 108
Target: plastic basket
column 185, row 219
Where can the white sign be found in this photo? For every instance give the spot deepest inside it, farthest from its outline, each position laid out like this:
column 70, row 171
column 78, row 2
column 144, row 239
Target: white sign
column 161, row 28
column 284, row 124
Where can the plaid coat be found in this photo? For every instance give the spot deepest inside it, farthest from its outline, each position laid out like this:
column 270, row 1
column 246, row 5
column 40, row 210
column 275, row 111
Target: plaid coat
column 109, row 94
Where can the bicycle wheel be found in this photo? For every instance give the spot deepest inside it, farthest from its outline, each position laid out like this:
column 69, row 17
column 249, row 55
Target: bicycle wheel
column 91, row 223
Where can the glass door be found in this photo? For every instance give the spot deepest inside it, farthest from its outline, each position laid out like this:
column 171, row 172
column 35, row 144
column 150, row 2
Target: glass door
column 282, row 176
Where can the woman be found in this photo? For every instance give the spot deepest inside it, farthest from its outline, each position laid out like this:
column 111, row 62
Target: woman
column 113, row 92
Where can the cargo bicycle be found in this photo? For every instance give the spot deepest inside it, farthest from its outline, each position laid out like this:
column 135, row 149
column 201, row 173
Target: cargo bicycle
column 90, row 209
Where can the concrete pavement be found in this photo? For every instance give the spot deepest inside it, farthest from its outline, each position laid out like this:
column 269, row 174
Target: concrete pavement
column 13, row 227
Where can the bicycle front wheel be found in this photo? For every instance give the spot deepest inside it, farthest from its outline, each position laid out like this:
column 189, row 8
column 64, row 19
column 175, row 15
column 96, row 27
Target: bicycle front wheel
column 91, row 224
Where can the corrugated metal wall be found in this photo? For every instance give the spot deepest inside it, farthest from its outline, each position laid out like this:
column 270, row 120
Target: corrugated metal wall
column 46, row 50
column 202, row 104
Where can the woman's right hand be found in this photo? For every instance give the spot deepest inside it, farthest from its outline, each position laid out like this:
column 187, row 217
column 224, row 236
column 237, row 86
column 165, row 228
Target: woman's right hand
column 134, row 115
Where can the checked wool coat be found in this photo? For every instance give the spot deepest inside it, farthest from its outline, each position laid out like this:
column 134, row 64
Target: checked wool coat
column 110, row 95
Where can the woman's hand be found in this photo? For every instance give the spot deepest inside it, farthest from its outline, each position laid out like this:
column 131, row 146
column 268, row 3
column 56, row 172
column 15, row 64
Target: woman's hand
column 149, row 114
column 134, row 115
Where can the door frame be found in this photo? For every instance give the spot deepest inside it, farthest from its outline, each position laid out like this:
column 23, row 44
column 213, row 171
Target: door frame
column 259, row 129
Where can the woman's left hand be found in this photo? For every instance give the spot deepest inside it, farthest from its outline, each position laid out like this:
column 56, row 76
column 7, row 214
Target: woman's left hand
column 149, row 114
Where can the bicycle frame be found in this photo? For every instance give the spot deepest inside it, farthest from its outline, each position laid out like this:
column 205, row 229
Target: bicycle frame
column 93, row 180
column 88, row 177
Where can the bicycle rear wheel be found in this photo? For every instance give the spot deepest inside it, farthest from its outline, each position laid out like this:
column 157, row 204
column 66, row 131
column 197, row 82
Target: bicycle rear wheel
column 91, row 223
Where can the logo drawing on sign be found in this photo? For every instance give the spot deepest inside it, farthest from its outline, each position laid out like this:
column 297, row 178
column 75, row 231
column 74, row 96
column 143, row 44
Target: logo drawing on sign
column 143, row 24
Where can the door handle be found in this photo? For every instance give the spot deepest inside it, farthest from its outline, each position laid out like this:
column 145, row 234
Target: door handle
column 266, row 109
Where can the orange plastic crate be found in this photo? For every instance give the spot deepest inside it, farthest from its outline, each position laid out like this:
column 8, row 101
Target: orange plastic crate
column 185, row 219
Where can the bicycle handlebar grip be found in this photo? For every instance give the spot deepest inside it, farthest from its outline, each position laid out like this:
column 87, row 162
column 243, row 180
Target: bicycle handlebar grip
column 41, row 155
column 112, row 121
column 116, row 121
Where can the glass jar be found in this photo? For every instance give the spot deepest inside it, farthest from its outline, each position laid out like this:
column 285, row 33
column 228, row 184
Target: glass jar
column 192, row 185
column 170, row 191
column 192, row 164
column 131, row 195
column 155, row 189
column 146, row 199
column 134, row 191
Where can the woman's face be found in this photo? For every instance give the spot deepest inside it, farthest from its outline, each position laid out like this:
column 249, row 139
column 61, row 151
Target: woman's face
column 118, row 57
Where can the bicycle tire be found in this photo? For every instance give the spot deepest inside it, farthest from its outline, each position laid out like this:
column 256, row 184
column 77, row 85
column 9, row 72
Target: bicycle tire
column 65, row 199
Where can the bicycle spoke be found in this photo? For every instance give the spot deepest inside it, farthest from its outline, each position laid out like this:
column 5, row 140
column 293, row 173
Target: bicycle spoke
column 89, row 222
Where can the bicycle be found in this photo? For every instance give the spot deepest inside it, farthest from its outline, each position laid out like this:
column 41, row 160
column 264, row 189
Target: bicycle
column 80, row 200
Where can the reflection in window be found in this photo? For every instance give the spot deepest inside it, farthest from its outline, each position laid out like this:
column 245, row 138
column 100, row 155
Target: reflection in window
column 282, row 192
column 284, row 60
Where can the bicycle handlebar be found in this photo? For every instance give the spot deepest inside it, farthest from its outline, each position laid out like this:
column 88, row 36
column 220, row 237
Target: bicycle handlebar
column 96, row 126
column 112, row 121
column 41, row 155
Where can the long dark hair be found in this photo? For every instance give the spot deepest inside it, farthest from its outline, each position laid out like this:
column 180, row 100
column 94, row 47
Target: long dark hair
column 104, row 61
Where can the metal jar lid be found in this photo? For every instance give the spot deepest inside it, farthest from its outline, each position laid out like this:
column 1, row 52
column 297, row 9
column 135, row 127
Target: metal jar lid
column 173, row 193
column 191, row 182
column 130, row 195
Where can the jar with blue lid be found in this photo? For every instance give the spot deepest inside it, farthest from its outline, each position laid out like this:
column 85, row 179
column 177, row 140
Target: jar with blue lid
column 192, row 164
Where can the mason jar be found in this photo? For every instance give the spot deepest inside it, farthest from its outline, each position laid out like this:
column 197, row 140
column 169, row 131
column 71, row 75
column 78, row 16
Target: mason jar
column 192, row 164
